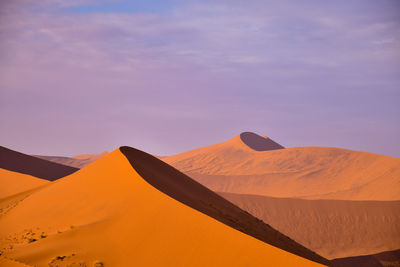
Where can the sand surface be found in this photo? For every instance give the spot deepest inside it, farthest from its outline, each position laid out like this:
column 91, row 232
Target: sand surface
column 303, row 172
column 18, row 162
column 78, row 161
column 332, row 228
column 108, row 213
column 12, row 183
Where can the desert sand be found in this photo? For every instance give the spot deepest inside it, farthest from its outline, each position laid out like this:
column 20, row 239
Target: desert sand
column 78, row 161
column 300, row 172
column 332, row 228
column 12, row 183
column 18, row 162
column 107, row 212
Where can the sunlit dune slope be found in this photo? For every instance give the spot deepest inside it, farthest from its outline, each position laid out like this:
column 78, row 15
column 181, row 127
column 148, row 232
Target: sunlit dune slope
column 302, row 172
column 13, row 183
column 18, row 162
column 332, row 228
column 78, row 161
column 107, row 212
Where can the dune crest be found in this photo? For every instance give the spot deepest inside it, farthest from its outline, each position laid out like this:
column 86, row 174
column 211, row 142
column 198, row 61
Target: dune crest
column 139, row 225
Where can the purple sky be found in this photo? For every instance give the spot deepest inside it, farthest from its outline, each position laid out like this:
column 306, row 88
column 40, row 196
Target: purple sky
column 86, row 76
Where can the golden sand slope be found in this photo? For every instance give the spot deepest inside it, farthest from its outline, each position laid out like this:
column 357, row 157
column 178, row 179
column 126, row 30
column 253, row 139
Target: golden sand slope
column 78, row 161
column 303, row 172
column 332, row 228
column 13, row 183
column 106, row 212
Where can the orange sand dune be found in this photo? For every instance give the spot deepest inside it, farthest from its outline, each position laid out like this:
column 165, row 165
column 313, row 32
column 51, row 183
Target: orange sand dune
column 108, row 213
column 18, row 162
column 332, row 228
column 78, row 161
column 301, row 172
column 12, row 183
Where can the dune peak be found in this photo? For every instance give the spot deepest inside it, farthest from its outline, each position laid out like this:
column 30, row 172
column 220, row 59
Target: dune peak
column 259, row 143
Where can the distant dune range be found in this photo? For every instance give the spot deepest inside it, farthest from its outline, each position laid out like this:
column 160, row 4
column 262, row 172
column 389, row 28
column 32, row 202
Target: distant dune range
column 136, row 202
column 332, row 228
column 78, row 161
column 304, row 172
column 18, row 162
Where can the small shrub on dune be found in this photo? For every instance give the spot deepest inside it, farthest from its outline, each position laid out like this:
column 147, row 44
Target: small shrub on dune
column 98, row 264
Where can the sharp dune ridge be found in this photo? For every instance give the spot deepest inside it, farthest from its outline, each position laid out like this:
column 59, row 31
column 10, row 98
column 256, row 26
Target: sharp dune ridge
column 18, row 162
column 184, row 189
column 299, row 172
column 332, row 228
column 59, row 224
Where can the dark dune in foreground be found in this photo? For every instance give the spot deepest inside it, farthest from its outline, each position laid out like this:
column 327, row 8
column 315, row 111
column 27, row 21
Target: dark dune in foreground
column 18, row 162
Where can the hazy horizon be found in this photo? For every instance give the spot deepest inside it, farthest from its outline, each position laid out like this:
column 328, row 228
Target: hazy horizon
column 86, row 76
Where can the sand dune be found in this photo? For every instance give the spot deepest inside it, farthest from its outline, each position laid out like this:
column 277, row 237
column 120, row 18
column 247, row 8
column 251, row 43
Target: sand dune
column 78, row 161
column 302, row 172
column 18, row 162
column 12, row 183
column 139, row 225
column 332, row 228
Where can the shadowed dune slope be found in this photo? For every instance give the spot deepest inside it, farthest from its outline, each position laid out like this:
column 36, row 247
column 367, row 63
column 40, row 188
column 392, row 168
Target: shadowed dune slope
column 78, row 161
column 18, row 162
column 184, row 189
column 259, row 143
column 301, row 172
column 12, row 183
column 139, row 225
column 332, row 228
column 384, row 259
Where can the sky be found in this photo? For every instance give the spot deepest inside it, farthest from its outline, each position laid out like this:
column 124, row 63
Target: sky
column 85, row 76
